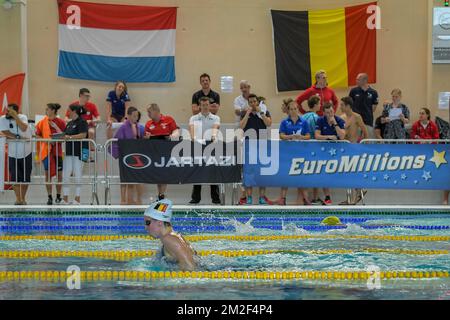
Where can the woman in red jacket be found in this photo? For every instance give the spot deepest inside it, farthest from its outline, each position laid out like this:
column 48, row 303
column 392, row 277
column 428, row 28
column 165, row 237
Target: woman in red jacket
column 321, row 90
column 425, row 128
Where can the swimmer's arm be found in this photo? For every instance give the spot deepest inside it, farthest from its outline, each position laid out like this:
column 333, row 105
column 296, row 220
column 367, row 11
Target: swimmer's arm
column 184, row 258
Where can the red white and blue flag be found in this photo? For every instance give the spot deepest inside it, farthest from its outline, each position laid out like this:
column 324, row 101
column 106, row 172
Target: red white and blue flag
column 106, row 42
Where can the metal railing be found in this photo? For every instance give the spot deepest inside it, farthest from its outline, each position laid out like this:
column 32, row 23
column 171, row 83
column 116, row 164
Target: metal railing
column 27, row 157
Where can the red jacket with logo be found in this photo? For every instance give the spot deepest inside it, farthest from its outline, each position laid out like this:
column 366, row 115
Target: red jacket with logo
column 325, row 94
column 431, row 132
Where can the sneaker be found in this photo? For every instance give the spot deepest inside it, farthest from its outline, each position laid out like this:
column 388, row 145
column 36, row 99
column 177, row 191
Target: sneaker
column 249, row 200
column 216, row 201
column 64, row 203
column 49, row 200
column 317, row 202
column 194, row 201
column 328, row 201
column 242, row 202
column 161, row 197
column 75, row 203
column 280, row 202
column 58, row 200
column 306, row 202
column 265, row 201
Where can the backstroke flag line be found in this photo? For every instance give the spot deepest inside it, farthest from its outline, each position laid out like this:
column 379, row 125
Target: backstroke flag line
column 340, row 41
column 106, row 42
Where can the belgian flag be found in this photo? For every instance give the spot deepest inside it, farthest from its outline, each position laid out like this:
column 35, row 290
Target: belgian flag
column 338, row 41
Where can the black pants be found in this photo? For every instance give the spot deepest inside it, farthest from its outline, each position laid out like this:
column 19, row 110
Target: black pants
column 197, row 193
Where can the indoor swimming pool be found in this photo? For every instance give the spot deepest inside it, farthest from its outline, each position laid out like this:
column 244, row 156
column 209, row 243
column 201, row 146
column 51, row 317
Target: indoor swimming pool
column 251, row 254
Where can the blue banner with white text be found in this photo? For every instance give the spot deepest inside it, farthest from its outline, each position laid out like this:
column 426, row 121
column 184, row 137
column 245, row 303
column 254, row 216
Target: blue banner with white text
column 345, row 165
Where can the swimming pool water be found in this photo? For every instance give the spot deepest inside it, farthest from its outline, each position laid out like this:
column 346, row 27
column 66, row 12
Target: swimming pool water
column 359, row 259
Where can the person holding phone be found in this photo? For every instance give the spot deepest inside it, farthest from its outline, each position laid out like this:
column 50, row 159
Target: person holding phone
column 14, row 126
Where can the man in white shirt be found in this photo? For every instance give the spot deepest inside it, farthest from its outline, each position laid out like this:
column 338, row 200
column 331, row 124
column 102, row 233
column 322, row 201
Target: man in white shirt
column 204, row 127
column 14, row 126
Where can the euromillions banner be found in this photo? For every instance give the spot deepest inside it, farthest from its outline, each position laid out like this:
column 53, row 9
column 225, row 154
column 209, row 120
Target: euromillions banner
column 345, row 165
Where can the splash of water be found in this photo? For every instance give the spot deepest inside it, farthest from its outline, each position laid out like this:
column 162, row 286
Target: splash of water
column 291, row 228
column 241, row 228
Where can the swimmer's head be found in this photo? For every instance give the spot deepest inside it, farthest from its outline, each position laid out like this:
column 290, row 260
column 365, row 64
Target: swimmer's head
column 158, row 216
column 331, row 221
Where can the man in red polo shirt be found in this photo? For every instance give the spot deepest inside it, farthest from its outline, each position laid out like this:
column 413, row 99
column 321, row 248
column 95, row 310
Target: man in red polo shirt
column 160, row 127
column 91, row 114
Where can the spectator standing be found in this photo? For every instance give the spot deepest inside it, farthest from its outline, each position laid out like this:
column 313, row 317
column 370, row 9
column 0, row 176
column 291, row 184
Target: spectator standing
column 395, row 115
column 320, row 89
column 51, row 154
column 294, row 128
column 76, row 153
column 204, row 126
column 14, row 126
column 365, row 102
column 355, row 131
column 254, row 123
column 160, row 127
column 206, row 91
column 130, row 130
column 117, row 104
column 90, row 114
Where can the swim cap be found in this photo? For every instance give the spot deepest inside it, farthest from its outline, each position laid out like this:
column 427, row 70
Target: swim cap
column 160, row 210
column 331, row 221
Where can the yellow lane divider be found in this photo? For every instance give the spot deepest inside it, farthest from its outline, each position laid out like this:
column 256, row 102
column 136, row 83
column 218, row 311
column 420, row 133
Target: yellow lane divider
column 195, row 238
column 127, row 254
column 56, row 276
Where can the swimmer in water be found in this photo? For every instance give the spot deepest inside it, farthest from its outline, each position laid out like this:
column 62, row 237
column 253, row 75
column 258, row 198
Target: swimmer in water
column 174, row 247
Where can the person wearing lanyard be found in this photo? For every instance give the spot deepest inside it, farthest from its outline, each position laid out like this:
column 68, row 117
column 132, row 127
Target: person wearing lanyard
column 294, row 128
column 117, row 104
column 330, row 127
column 73, row 164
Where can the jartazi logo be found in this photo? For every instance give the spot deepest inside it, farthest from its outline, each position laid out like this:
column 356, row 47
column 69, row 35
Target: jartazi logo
column 137, row 161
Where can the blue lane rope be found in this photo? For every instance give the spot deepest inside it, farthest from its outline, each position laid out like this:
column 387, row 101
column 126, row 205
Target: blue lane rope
column 193, row 219
column 197, row 228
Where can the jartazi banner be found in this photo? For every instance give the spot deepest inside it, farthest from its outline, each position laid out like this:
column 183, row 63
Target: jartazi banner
column 344, row 165
column 185, row 162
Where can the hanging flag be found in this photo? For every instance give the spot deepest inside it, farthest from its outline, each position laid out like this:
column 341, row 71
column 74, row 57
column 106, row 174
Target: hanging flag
column 340, row 41
column 106, row 42
column 11, row 91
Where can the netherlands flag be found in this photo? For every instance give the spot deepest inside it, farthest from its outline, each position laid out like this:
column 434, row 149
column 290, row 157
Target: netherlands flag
column 106, row 42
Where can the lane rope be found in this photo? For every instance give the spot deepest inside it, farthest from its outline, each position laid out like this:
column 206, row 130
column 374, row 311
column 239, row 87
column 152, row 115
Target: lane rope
column 63, row 276
column 195, row 238
column 129, row 254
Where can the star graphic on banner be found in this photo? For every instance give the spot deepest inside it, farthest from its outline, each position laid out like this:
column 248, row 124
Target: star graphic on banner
column 426, row 175
column 323, row 148
column 366, row 176
column 438, row 158
column 332, row 152
column 395, row 182
column 313, row 154
column 374, row 179
column 386, row 177
column 404, row 177
column 416, row 182
column 342, row 150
